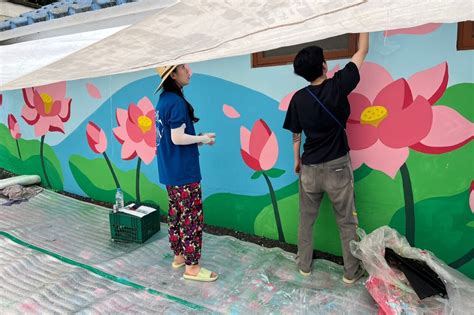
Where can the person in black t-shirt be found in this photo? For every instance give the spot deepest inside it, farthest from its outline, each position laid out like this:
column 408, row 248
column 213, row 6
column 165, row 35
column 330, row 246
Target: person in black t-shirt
column 321, row 110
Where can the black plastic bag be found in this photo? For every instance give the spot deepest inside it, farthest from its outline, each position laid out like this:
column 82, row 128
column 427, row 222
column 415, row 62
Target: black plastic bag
column 424, row 281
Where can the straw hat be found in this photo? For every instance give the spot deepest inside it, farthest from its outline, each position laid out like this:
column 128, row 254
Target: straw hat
column 164, row 72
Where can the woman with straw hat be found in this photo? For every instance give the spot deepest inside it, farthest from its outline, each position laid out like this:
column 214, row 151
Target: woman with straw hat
column 178, row 166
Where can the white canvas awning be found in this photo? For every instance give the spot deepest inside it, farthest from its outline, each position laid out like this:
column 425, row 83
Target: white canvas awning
column 198, row 30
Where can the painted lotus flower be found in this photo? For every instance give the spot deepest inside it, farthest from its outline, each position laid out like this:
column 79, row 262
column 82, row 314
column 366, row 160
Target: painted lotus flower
column 259, row 148
column 96, row 138
column 137, row 131
column 46, row 107
column 388, row 117
column 14, row 127
column 97, row 141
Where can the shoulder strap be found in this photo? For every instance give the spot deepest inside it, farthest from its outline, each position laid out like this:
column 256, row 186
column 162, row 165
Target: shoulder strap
column 324, row 107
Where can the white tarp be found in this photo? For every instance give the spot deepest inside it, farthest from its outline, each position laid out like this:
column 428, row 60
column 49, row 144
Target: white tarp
column 25, row 57
column 198, row 30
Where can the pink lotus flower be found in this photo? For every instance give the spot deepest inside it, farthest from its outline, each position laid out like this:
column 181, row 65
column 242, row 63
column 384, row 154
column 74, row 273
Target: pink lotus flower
column 46, row 107
column 449, row 132
column 136, row 131
column 259, row 148
column 388, row 117
column 417, row 30
column 98, row 143
column 14, row 127
column 96, row 138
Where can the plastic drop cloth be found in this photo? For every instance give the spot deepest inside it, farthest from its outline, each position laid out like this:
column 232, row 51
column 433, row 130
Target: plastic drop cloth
column 18, row 193
column 391, row 290
column 66, row 275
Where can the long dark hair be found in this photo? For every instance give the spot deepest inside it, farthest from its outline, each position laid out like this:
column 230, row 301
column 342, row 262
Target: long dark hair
column 170, row 85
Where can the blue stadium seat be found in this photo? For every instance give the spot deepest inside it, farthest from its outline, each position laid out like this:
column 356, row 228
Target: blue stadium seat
column 5, row 25
column 19, row 21
column 58, row 11
column 79, row 6
column 100, row 4
column 36, row 16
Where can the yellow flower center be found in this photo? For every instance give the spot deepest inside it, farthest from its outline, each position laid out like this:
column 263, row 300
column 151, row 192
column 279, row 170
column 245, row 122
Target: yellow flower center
column 144, row 123
column 48, row 102
column 373, row 115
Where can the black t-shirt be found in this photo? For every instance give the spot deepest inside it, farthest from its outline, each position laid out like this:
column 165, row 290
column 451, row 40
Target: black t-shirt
column 326, row 140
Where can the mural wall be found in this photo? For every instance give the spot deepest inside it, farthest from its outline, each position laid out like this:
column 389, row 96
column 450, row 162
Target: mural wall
column 413, row 159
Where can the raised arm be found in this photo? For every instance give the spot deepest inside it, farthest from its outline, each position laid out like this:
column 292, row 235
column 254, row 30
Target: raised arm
column 362, row 51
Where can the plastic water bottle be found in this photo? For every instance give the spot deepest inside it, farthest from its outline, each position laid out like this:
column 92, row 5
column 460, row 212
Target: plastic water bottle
column 119, row 199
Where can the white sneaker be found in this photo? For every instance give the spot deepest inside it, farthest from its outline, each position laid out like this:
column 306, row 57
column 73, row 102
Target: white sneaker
column 359, row 274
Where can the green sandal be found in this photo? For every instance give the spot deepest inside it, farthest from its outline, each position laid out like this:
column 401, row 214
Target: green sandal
column 177, row 266
column 203, row 275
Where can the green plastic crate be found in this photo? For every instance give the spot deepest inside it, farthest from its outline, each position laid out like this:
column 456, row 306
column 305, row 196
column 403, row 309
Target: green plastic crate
column 126, row 227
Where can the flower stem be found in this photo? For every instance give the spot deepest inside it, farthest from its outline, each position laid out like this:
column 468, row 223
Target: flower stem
column 137, row 186
column 409, row 205
column 42, row 162
column 18, row 148
column 281, row 237
column 463, row 260
column 111, row 170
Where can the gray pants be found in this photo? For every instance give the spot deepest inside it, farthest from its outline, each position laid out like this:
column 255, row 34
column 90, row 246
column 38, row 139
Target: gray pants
column 337, row 180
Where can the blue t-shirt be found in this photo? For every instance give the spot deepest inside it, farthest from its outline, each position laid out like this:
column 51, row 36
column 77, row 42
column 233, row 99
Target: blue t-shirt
column 177, row 164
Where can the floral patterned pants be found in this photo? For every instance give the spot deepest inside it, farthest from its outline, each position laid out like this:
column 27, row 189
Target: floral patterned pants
column 185, row 221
